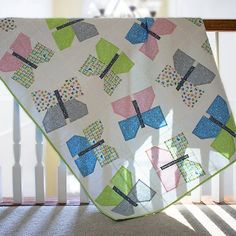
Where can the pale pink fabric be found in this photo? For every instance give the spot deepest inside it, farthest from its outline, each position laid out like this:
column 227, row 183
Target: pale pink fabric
column 125, row 108
column 169, row 176
column 160, row 27
column 22, row 46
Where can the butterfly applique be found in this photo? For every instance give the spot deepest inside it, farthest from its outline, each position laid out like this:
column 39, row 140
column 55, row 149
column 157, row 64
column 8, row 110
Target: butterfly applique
column 196, row 21
column 90, row 148
column 138, row 113
column 7, row 24
column 22, row 59
column 220, row 126
column 207, row 47
column 186, row 76
column 64, row 31
column 110, row 62
column 173, row 162
column 123, row 194
column 148, row 32
column 60, row 105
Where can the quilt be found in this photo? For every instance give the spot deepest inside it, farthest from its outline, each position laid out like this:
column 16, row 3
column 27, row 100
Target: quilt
column 134, row 107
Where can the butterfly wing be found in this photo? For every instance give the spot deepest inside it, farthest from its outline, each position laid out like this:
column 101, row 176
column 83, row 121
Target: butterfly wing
column 169, row 176
column 177, row 145
column 137, row 34
column 168, row 77
column 92, row 66
column 22, row 46
column 139, row 193
column 129, row 127
column 201, row 75
column 106, row 51
column 196, row 21
column 219, row 110
column 111, row 81
column 7, row 24
column 150, row 48
column 207, row 47
column 87, row 162
column 84, row 30
column 94, row 132
column 190, row 94
column 123, row 181
column 40, row 54
column 24, row 75
column 154, row 118
column 43, row 100
column 163, row 27
column 206, row 129
column 182, row 62
column 145, row 99
column 190, row 170
column 63, row 37
column 224, row 143
column 105, row 154
column 70, row 89
column 123, row 64
column 124, row 107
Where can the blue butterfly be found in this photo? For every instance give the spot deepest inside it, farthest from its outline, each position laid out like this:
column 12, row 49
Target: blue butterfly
column 220, row 126
column 138, row 113
column 148, row 32
column 91, row 148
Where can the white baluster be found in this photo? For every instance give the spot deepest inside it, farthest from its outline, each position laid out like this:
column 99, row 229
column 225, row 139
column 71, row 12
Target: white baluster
column 17, row 186
column 217, row 182
column 39, row 168
column 62, row 191
column 0, row 184
column 234, row 181
column 83, row 196
column 217, row 188
column 196, row 195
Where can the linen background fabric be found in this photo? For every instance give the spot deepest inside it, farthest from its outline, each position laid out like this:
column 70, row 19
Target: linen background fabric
column 135, row 107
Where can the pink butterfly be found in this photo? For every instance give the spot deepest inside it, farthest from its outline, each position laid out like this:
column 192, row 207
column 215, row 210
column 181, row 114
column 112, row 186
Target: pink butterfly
column 148, row 32
column 138, row 113
column 22, row 59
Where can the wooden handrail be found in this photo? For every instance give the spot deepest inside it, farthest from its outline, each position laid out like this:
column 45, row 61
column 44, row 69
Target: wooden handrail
column 220, row 24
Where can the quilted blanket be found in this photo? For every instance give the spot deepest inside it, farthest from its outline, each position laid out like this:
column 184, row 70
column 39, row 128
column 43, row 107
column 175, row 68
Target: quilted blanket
column 134, row 107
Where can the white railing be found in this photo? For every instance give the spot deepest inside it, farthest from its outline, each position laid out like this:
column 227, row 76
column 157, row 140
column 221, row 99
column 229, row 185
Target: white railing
column 217, row 182
column 38, row 170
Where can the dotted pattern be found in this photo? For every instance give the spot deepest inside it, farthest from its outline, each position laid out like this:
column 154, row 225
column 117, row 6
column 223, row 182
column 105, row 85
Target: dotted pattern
column 93, row 66
column 44, row 99
column 104, row 153
column 189, row 93
column 7, row 24
column 206, row 46
column 177, row 146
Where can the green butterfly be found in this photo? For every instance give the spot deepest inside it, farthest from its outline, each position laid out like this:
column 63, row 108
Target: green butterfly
column 109, row 63
column 123, row 194
column 65, row 31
